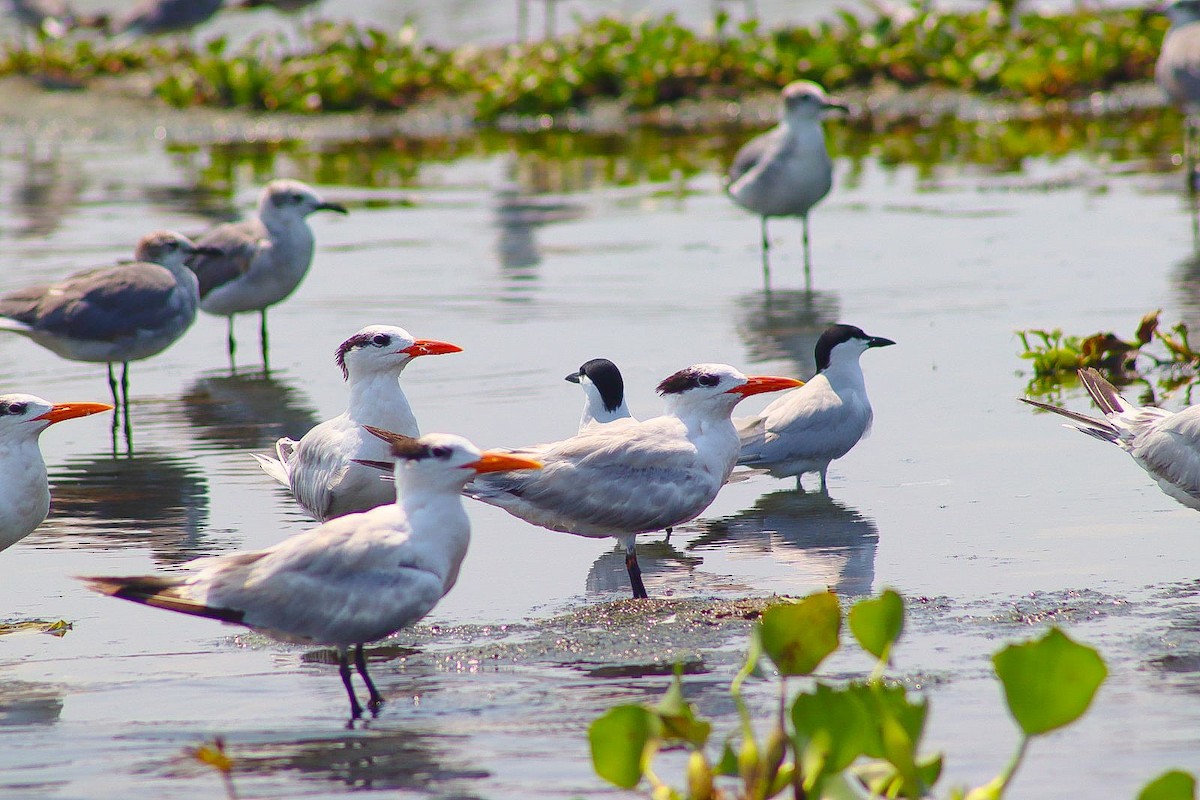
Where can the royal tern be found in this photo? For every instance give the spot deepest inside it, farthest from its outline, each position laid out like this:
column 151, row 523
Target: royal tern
column 1177, row 71
column 1164, row 443
column 787, row 170
column 603, row 392
column 115, row 314
column 353, row 580
column 628, row 477
column 25, row 493
column 320, row 468
column 264, row 257
column 805, row 429
column 159, row 17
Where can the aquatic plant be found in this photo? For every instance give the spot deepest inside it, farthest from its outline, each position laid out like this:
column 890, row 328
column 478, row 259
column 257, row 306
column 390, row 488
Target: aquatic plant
column 839, row 741
column 212, row 754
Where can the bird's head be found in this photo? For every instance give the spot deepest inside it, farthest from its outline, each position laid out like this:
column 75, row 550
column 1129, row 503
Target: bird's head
column 24, row 416
column 717, row 386
column 385, row 348
column 169, row 249
column 807, row 100
column 601, row 381
column 288, row 199
column 840, row 343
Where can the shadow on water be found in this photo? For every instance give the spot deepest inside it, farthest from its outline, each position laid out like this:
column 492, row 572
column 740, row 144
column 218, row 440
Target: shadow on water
column 247, row 411
column 824, row 540
column 657, row 557
column 785, row 325
column 148, row 499
column 24, row 703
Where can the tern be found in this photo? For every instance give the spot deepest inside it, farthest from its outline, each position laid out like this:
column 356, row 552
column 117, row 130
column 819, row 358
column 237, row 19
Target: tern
column 25, row 493
column 603, row 392
column 1164, row 443
column 1177, row 71
column 116, row 314
column 353, row 580
column 627, row 477
column 805, row 429
column 320, row 468
column 787, row 170
column 264, row 258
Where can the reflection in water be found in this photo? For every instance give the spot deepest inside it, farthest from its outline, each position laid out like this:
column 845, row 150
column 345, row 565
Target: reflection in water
column 49, row 189
column 827, row 542
column 785, row 324
column 518, row 214
column 148, row 499
column 246, row 412
column 24, row 703
column 655, row 556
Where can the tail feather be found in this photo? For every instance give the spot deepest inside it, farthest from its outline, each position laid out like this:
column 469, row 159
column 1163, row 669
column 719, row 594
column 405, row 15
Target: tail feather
column 1103, row 393
column 274, row 468
column 1093, row 426
column 151, row 590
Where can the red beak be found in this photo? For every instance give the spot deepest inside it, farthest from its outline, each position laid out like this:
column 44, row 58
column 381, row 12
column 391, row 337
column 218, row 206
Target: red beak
column 430, row 347
column 61, row 411
column 493, row 461
column 757, row 384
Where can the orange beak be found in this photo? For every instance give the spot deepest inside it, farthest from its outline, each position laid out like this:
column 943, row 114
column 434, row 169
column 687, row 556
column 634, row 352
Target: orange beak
column 62, row 411
column 757, row 384
column 493, row 461
column 430, row 347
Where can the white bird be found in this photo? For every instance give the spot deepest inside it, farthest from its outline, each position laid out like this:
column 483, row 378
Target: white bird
column 804, row 430
column 320, row 468
column 787, row 170
column 1177, row 71
column 114, row 314
column 353, row 580
column 628, row 477
column 1164, row 443
column 603, row 392
column 264, row 257
column 25, row 492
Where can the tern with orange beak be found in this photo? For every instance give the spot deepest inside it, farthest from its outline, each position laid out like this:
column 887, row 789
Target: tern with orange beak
column 353, row 580
column 320, row 468
column 627, row 477
column 25, row 495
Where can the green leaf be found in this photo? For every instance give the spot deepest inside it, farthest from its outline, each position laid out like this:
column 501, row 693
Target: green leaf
column 833, row 725
column 623, row 741
column 1049, row 682
column 678, row 717
column 797, row 637
column 728, row 765
column 1172, row 785
column 878, row 622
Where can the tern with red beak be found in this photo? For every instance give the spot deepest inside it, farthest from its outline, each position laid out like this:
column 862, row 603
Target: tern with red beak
column 350, row 581
column 25, row 494
column 627, row 477
column 320, row 468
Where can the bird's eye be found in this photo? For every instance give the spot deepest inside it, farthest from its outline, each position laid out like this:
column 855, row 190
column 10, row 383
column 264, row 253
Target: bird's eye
column 16, row 408
column 172, row 245
column 440, row 452
column 708, row 380
column 296, row 198
column 381, row 340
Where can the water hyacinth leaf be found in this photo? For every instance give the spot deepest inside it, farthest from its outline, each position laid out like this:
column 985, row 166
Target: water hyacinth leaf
column 1049, row 682
column 728, row 765
column 678, row 717
column 797, row 637
column 623, row 740
column 833, row 725
column 877, row 622
column 1172, row 785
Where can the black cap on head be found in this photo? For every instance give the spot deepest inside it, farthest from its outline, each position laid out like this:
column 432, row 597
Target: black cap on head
column 607, row 379
column 836, row 334
column 685, row 379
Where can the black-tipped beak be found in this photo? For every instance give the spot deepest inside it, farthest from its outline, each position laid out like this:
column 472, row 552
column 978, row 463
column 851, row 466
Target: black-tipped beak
column 879, row 341
column 207, row 251
column 338, row 207
column 573, row 377
column 834, row 104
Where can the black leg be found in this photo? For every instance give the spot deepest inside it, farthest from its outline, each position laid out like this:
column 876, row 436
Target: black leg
column 360, row 663
column 262, row 338
column 807, row 260
column 112, row 387
column 232, row 344
column 344, row 671
column 667, row 538
column 635, row 571
column 766, row 257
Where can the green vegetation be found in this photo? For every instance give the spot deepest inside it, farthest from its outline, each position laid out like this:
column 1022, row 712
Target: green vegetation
column 643, row 64
column 860, row 738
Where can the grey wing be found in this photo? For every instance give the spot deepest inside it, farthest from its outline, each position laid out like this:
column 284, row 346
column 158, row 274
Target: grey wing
column 751, row 153
column 22, row 304
column 1171, row 450
column 817, row 426
column 316, row 466
column 108, row 303
column 1178, row 68
column 239, row 242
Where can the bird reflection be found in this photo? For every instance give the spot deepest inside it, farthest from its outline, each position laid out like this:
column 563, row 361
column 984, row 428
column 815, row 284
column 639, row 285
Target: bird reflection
column 655, row 557
column 23, row 703
column 785, row 325
column 246, row 411
column 47, row 192
column 520, row 210
column 825, row 541
column 148, row 499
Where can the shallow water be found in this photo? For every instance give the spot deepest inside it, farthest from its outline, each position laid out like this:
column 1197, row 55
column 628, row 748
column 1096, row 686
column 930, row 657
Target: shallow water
column 535, row 253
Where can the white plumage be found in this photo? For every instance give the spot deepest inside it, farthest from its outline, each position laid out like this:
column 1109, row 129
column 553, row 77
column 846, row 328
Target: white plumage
column 353, row 580
column 320, row 468
column 806, row 429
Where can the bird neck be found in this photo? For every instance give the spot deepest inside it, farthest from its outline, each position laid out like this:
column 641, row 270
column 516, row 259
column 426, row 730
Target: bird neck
column 377, row 399
column 438, row 525
column 845, row 373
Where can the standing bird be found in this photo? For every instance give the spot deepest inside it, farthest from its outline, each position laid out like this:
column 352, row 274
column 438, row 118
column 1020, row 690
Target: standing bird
column 25, row 493
column 159, row 17
column 1164, row 443
column 320, row 468
column 804, row 430
column 353, row 580
column 786, row 171
column 115, row 314
column 1178, row 71
column 264, row 258
column 603, row 392
column 628, row 477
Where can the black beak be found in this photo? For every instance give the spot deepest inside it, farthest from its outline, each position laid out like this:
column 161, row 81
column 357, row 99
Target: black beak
column 338, row 207
column 833, row 104
column 207, row 251
column 573, row 377
column 879, row 341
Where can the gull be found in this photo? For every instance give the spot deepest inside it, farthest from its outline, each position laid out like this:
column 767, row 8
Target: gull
column 353, row 580
column 264, row 258
column 786, row 171
column 319, row 469
column 603, row 392
column 116, row 314
column 24, row 492
column 1177, row 71
column 157, row 17
column 627, row 477
column 803, row 430
column 1164, row 443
